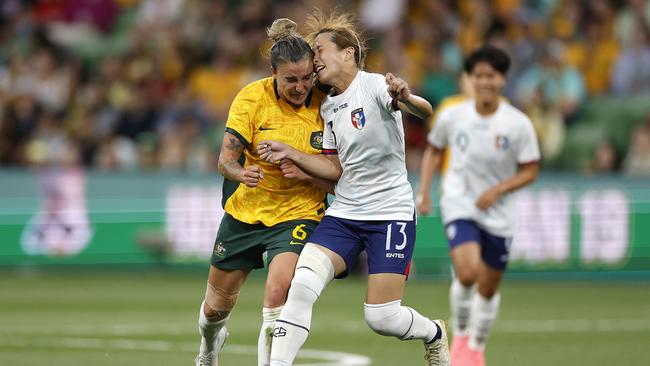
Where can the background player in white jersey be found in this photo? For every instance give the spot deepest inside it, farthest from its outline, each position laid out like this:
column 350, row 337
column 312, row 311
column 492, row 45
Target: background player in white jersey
column 494, row 152
column 373, row 210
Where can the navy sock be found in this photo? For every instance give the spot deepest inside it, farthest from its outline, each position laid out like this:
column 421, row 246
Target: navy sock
column 438, row 334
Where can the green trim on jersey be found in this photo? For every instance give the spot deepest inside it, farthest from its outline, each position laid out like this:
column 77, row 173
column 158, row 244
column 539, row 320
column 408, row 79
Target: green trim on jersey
column 230, row 186
column 239, row 136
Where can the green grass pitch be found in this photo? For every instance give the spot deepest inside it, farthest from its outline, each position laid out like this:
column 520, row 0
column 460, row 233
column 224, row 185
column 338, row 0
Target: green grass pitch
column 142, row 318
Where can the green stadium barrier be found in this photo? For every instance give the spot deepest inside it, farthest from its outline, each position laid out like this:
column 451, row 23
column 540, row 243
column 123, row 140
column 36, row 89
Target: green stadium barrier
column 568, row 225
column 604, row 118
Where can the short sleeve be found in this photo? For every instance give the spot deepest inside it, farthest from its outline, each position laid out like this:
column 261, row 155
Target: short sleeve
column 437, row 137
column 527, row 146
column 380, row 89
column 242, row 113
column 329, row 140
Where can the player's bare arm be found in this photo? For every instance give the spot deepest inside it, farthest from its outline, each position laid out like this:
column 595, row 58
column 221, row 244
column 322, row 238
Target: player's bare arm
column 229, row 167
column 410, row 103
column 293, row 171
column 526, row 174
column 430, row 163
column 316, row 165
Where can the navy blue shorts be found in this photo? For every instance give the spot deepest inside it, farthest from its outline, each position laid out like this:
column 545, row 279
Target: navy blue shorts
column 494, row 249
column 388, row 244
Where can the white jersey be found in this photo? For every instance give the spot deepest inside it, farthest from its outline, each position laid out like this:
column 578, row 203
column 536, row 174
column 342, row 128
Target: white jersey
column 485, row 150
column 362, row 125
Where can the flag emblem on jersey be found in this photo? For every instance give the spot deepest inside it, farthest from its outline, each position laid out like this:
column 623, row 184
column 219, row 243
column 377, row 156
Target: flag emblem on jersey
column 502, row 142
column 358, row 118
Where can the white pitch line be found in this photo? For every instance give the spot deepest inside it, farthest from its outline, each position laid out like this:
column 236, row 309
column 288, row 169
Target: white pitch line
column 23, row 335
column 502, row 326
column 101, row 329
column 330, row 358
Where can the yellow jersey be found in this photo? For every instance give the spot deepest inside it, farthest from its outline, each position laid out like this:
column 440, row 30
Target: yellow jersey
column 258, row 113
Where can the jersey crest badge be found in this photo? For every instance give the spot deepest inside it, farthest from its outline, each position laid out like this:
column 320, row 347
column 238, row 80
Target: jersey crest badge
column 219, row 250
column 316, row 140
column 462, row 140
column 358, row 118
column 502, row 142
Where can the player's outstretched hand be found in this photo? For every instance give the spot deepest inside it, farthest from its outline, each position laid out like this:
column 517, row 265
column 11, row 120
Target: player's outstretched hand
column 273, row 151
column 397, row 88
column 251, row 175
column 424, row 204
column 488, row 198
column 293, row 171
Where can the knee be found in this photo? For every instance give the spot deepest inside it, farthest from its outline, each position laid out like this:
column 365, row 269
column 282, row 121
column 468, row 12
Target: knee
column 314, row 270
column 275, row 294
column 488, row 290
column 218, row 303
column 467, row 276
column 380, row 317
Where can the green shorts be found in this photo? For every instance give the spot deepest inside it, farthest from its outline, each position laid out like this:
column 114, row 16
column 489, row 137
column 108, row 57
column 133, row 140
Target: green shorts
column 240, row 245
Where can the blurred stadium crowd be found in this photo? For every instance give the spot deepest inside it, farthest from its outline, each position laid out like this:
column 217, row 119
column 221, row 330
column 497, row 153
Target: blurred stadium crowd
column 146, row 85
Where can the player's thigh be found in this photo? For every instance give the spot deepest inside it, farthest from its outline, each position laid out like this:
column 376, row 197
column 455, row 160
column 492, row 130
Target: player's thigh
column 385, row 287
column 495, row 250
column 464, row 249
column 239, row 245
column 339, row 239
column 283, row 244
column 489, row 279
column 466, row 259
column 233, row 255
column 228, row 280
column 222, row 291
column 282, row 268
column 494, row 255
column 286, row 237
column 338, row 263
column 389, row 245
column 278, row 279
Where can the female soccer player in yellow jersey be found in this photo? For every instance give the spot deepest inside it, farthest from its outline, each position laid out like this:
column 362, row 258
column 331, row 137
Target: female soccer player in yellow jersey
column 269, row 207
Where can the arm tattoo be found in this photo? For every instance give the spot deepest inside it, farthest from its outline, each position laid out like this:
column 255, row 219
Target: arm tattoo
column 230, row 169
column 235, row 145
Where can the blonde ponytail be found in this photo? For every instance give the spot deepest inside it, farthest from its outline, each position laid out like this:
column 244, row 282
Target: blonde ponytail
column 288, row 44
column 282, row 28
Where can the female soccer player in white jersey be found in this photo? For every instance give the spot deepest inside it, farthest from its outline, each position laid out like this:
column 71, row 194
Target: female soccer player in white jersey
column 494, row 152
column 373, row 210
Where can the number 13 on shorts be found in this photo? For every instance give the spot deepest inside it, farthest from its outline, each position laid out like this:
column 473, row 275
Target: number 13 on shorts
column 400, row 238
column 389, row 236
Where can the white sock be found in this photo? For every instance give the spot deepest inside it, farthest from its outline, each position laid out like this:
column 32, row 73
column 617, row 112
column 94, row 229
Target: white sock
column 269, row 315
column 292, row 327
column 403, row 322
column 209, row 330
column 460, row 300
column 484, row 313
